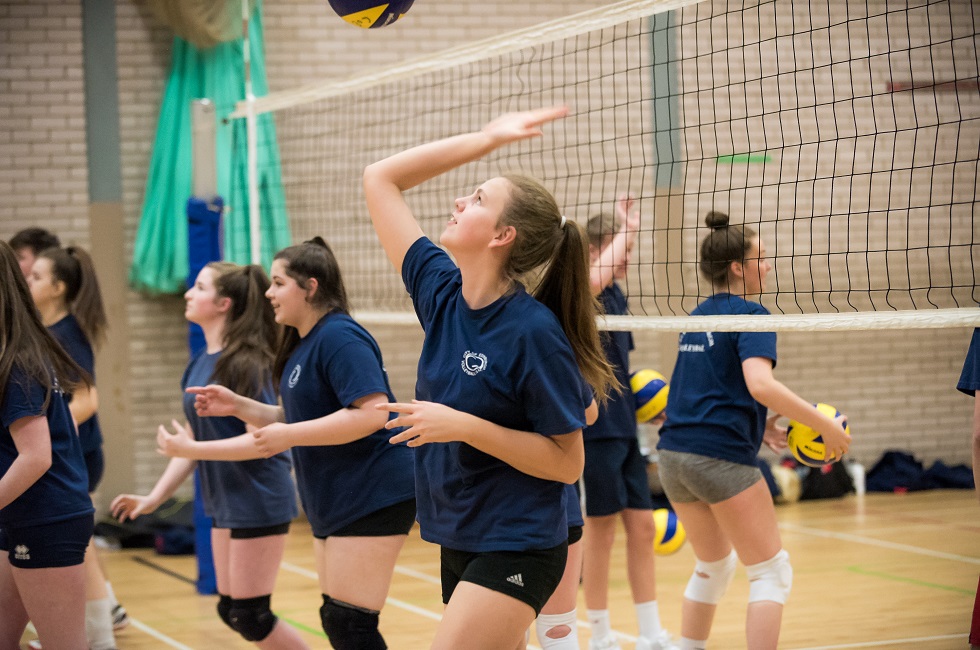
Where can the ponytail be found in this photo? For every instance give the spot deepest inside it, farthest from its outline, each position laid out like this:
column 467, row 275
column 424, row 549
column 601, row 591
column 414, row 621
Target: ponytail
column 565, row 290
column 250, row 333
column 546, row 237
column 73, row 267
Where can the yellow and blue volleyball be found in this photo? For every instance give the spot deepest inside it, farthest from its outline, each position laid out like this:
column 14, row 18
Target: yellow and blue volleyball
column 371, row 14
column 806, row 444
column 670, row 534
column 650, row 390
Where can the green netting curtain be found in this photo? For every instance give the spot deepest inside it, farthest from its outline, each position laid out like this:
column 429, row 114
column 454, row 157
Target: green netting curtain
column 160, row 254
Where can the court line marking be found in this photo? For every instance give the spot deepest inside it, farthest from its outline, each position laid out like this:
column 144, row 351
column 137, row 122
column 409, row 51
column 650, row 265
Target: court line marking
column 891, row 642
column 911, row 581
column 156, row 634
column 870, row 541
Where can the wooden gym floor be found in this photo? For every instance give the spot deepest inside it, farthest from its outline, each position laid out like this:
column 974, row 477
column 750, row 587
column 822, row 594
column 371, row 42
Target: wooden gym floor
column 879, row 571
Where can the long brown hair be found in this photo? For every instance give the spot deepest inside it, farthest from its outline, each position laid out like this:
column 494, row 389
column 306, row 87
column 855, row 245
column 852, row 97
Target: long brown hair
column 722, row 246
column 73, row 267
column 311, row 259
column 564, row 283
column 24, row 340
column 251, row 331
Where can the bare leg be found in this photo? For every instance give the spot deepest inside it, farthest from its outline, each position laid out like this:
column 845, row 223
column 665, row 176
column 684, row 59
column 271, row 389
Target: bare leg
column 54, row 599
column 464, row 623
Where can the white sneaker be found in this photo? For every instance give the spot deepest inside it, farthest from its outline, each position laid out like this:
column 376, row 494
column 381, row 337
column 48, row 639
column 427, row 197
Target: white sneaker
column 608, row 643
column 661, row 642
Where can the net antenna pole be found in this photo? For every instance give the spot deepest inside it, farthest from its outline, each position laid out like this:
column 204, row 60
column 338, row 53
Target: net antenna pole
column 252, row 159
column 204, row 174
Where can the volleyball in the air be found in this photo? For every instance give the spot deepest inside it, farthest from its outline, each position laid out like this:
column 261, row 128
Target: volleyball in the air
column 650, row 394
column 670, row 533
column 806, row 444
column 370, row 14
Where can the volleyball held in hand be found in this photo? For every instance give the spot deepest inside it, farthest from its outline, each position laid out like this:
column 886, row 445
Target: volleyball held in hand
column 371, row 14
column 670, row 534
column 806, row 444
column 650, row 390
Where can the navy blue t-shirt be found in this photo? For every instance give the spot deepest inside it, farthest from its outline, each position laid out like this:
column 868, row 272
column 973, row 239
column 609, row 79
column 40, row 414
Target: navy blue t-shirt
column 970, row 377
column 69, row 333
column 710, row 411
column 617, row 417
column 334, row 365
column 62, row 492
column 511, row 364
column 238, row 494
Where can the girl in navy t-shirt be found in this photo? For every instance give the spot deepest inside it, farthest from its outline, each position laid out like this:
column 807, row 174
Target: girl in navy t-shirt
column 66, row 291
column 497, row 423
column 250, row 501
column 357, row 489
column 716, row 422
column 45, row 511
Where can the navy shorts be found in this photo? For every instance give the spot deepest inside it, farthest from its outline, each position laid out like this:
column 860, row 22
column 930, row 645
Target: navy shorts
column 529, row 576
column 95, row 464
column 47, row 546
column 615, row 477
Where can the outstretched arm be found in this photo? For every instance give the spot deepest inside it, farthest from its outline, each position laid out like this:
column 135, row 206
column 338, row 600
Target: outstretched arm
column 770, row 392
column 603, row 270
column 555, row 458
column 215, row 400
column 386, row 181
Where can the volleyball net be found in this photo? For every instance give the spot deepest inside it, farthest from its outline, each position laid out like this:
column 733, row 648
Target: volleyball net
column 846, row 134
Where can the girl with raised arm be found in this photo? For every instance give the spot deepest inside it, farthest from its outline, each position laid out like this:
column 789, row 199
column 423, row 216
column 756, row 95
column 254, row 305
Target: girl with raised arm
column 721, row 390
column 45, row 511
column 252, row 501
column 357, row 489
column 497, row 423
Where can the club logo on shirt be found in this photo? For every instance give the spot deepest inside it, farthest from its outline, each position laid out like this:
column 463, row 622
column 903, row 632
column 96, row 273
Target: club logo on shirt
column 294, row 376
column 694, row 347
column 474, row 362
column 21, row 552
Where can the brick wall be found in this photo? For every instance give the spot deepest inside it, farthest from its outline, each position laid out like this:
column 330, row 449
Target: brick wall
column 897, row 387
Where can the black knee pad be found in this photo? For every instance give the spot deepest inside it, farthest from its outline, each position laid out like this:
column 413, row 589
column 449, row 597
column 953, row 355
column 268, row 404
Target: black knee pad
column 252, row 617
column 350, row 627
column 224, row 609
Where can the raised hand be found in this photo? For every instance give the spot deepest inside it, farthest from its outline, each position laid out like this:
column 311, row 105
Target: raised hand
column 511, row 127
column 212, row 400
column 626, row 215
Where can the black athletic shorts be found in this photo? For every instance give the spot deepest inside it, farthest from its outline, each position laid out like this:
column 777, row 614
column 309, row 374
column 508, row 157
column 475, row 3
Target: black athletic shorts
column 391, row 520
column 529, row 576
column 47, row 546
column 262, row 531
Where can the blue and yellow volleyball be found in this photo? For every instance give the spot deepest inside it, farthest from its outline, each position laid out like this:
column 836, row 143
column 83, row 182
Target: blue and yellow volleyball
column 670, row 534
column 650, row 390
column 371, row 14
column 806, row 444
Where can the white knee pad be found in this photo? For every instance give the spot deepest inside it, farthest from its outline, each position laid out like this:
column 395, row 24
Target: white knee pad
column 771, row 580
column 710, row 580
column 546, row 622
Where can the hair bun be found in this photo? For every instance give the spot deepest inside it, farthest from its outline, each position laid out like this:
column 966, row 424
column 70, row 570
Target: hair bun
column 317, row 241
column 716, row 220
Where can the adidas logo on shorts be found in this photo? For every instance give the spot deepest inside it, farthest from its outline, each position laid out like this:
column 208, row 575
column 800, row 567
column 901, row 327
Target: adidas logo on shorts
column 516, row 579
column 21, row 552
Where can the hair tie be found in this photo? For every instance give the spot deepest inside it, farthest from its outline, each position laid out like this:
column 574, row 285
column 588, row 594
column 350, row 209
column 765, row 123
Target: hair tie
column 563, row 221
